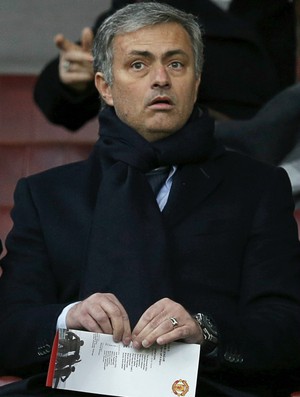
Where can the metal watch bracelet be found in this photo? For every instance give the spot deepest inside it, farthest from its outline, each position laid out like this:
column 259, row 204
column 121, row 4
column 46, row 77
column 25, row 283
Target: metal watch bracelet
column 210, row 332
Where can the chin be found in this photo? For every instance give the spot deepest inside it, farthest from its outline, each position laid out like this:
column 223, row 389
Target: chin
column 154, row 135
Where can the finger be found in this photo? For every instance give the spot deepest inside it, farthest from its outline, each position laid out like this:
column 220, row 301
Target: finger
column 90, row 324
column 114, row 315
column 126, row 337
column 64, row 44
column 79, row 74
column 87, row 38
column 156, row 313
column 177, row 333
column 78, row 57
column 79, row 317
column 111, row 316
column 119, row 320
column 149, row 327
column 100, row 316
column 101, row 313
column 121, row 327
column 156, row 329
column 188, row 330
column 160, row 321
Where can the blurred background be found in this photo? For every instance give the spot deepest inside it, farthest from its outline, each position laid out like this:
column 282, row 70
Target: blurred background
column 28, row 142
column 27, row 28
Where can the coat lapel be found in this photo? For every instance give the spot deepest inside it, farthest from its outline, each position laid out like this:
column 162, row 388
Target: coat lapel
column 191, row 185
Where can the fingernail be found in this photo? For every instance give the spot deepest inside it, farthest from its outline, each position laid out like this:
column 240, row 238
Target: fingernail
column 126, row 341
column 136, row 345
column 145, row 343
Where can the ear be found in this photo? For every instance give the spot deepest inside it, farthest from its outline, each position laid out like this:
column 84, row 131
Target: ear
column 104, row 89
column 197, row 84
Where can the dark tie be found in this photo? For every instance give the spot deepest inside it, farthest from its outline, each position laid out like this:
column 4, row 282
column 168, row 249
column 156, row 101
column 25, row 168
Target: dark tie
column 157, row 177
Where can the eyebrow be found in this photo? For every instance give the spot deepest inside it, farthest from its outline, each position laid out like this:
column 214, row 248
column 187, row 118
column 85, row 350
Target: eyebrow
column 148, row 54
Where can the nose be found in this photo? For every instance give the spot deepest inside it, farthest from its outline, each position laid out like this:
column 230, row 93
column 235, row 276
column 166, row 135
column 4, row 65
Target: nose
column 160, row 77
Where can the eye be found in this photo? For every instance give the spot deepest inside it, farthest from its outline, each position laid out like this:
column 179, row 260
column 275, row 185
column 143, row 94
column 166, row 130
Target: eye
column 176, row 65
column 138, row 66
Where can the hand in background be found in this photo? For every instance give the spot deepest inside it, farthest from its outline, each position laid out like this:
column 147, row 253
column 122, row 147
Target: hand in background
column 76, row 60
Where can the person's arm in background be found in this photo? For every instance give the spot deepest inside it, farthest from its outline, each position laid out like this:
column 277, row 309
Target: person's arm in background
column 67, row 96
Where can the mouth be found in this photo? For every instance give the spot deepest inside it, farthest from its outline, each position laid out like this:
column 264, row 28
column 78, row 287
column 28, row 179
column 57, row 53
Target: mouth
column 161, row 103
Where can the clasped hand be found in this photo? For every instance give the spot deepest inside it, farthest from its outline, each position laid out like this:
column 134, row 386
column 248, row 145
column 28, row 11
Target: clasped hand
column 102, row 312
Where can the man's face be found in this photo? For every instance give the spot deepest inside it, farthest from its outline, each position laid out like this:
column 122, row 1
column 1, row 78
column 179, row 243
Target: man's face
column 154, row 85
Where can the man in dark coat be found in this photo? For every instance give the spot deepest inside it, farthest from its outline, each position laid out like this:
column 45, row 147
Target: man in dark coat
column 210, row 255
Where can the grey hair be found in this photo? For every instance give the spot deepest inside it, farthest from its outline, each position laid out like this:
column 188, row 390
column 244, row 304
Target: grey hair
column 137, row 16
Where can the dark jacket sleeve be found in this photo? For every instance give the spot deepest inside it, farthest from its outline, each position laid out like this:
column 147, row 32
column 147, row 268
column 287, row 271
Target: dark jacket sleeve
column 60, row 104
column 28, row 288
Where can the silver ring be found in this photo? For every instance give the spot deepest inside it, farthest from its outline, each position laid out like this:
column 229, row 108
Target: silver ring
column 66, row 65
column 174, row 321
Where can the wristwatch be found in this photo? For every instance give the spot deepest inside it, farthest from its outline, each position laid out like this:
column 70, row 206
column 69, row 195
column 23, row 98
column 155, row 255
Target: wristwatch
column 209, row 330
